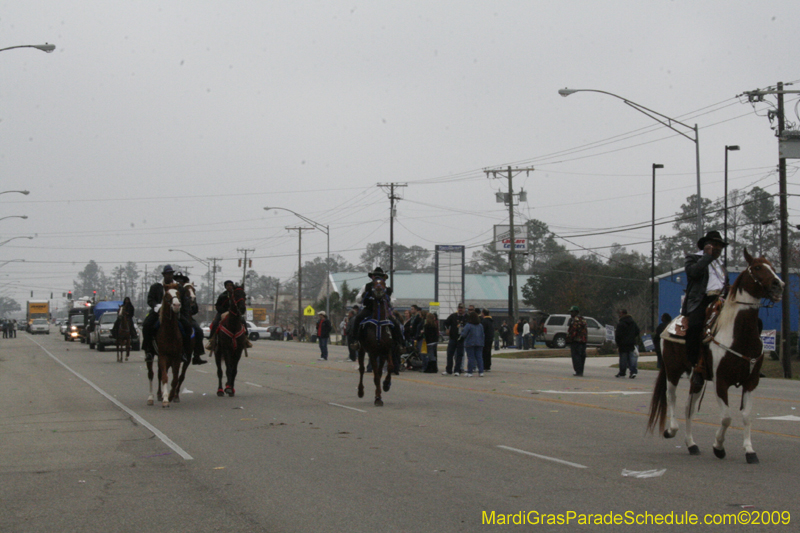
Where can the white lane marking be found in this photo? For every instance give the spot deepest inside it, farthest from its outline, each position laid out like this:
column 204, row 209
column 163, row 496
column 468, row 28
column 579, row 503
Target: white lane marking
column 789, row 418
column 560, row 461
column 254, row 384
column 201, row 371
column 166, row 440
column 623, row 392
column 346, row 407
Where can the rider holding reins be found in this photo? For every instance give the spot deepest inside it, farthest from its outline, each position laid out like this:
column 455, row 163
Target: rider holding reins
column 367, row 300
column 188, row 310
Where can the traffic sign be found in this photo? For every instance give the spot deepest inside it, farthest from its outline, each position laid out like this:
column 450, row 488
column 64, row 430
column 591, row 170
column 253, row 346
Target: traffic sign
column 308, row 311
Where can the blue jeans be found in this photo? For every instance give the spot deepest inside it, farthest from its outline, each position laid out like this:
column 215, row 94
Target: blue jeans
column 323, row 347
column 628, row 361
column 474, row 358
column 455, row 350
column 519, row 342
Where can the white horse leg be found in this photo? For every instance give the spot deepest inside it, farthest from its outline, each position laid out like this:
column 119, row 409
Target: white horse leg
column 725, row 422
column 164, row 386
column 672, row 430
column 747, row 415
column 150, row 397
column 691, row 408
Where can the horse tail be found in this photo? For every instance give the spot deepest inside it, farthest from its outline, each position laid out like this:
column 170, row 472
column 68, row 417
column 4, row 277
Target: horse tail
column 658, row 403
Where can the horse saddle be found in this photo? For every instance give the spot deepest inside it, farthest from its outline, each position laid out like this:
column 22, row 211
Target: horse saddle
column 676, row 330
column 712, row 314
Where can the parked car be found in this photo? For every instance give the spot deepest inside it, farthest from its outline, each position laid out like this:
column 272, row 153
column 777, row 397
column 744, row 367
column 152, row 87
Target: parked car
column 257, row 332
column 40, row 325
column 62, row 328
column 275, row 333
column 555, row 331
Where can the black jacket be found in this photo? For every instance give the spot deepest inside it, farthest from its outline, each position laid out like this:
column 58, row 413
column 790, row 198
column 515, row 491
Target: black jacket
column 452, row 324
column 324, row 330
column 696, row 267
column 627, row 334
column 488, row 330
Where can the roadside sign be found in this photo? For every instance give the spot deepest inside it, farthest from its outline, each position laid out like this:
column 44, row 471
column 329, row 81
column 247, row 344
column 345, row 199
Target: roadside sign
column 502, row 238
column 308, row 311
column 768, row 339
column 648, row 342
column 433, row 307
column 610, row 333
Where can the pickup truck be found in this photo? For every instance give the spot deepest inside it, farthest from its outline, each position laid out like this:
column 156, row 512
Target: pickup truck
column 101, row 335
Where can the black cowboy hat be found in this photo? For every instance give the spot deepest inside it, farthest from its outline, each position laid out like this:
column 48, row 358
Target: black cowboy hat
column 180, row 276
column 712, row 236
column 377, row 272
column 167, row 268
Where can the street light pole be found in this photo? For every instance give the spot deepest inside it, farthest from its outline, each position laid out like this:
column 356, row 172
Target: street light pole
column 327, row 231
column 15, row 216
column 12, row 238
column 732, row 148
column 668, row 122
column 653, row 256
column 26, row 193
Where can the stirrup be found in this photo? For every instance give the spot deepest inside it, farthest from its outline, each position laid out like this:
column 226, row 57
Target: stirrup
column 355, row 346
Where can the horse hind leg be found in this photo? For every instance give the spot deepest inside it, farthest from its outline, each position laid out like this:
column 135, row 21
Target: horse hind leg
column 672, row 398
column 218, row 360
column 361, row 373
column 387, row 383
column 377, row 370
column 747, row 415
column 150, row 377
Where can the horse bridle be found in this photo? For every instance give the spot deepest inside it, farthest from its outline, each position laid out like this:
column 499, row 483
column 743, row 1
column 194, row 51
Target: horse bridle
column 235, row 307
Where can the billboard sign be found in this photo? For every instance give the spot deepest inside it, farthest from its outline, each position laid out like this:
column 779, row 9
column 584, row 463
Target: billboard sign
column 502, row 238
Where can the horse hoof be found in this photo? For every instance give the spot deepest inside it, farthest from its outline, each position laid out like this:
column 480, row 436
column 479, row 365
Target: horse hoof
column 177, row 399
column 694, row 450
column 752, row 458
column 149, row 401
column 719, row 453
column 386, row 386
column 165, row 405
column 220, row 393
column 378, row 402
column 669, row 433
column 360, row 393
column 230, row 391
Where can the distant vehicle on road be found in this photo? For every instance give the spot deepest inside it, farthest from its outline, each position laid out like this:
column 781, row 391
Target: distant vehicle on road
column 257, row 332
column 76, row 326
column 275, row 333
column 39, row 325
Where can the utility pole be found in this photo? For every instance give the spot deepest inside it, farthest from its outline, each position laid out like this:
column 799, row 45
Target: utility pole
column 758, row 96
column 244, row 264
column 392, row 214
column 508, row 199
column 299, row 231
column 213, row 289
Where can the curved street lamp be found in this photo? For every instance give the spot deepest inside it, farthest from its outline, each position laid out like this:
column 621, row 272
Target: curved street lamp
column 46, row 47
column 26, row 193
column 728, row 148
column 327, row 231
column 208, row 267
column 12, row 238
column 668, row 122
column 15, row 216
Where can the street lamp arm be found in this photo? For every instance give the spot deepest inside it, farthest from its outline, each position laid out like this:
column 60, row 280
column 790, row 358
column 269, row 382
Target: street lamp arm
column 190, row 255
column 655, row 115
column 12, row 238
column 26, row 193
column 43, row 47
column 15, row 216
column 317, row 225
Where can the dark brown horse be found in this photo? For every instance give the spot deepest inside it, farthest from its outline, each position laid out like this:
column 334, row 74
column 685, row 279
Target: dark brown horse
column 123, row 336
column 377, row 342
column 736, row 358
column 230, row 341
column 169, row 346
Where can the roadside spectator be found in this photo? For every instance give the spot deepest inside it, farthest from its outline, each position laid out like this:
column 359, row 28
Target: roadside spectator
column 488, row 336
column 535, row 330
column 323, row 334
column 627, row 337
column 431, row 334
column 665, row 320
column 504, row 333
column 455, row 346
column 576, row 337
column 416, row 328
column 526, row 335
column 518, row 332
column 472, row 335
column 347, row 333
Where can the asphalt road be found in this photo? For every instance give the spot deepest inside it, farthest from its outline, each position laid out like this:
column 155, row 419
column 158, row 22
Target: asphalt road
column 297, row 450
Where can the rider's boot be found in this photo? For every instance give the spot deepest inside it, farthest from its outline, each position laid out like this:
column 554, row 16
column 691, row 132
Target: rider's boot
column 247, row 343
column 212, row 343
column 196, row 360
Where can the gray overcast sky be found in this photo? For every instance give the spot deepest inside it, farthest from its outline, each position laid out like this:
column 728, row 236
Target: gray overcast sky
column 158, row 125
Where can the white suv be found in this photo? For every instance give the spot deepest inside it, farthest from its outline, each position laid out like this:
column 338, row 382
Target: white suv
column 555, row 331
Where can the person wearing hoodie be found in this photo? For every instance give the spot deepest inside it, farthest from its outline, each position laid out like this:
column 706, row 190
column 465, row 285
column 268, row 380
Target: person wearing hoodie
column 473, row 343
column 488, row 337
column 627, row 337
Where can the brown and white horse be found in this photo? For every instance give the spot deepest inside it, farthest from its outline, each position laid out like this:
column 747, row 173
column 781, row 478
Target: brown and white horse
column 736, row 354
column 377, row 343
column 169, row 346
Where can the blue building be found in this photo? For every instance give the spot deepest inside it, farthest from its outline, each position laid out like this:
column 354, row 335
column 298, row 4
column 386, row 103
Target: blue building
column 672, row 286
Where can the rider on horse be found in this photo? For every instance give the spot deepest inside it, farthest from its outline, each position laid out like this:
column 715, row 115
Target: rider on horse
column 154, row 298
column 127, row 310
column 367, row 300
column 188, row 310
column 707, row 281
column 222, row 306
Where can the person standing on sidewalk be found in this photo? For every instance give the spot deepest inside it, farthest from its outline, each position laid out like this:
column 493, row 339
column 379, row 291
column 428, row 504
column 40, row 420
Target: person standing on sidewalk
column 455, row 347
column 323, row 335
column 576, row 337
column 473, row 339
column 488, row 337
column 627, row 337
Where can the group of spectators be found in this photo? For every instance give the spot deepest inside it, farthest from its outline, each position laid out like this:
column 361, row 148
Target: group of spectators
column 522, row 336
column 9, row 328
column 471, row 332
